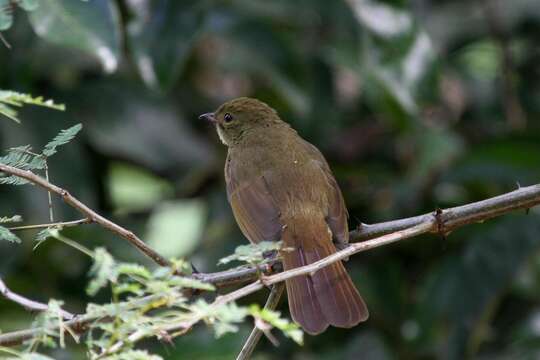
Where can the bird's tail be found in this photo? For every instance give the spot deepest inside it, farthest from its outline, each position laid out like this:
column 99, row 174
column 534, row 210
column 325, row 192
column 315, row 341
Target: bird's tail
column 327, row 297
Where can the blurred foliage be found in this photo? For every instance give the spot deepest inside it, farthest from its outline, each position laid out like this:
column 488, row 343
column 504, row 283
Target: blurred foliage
column 416, row 104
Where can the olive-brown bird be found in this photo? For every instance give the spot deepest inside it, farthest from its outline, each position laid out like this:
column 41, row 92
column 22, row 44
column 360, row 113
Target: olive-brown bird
column 281, row 188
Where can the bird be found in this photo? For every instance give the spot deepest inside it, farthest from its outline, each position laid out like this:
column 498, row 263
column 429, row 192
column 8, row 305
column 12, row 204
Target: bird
column 280, row 187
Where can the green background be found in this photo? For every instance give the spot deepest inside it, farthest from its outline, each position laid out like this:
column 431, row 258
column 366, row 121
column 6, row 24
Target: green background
column 416, row 105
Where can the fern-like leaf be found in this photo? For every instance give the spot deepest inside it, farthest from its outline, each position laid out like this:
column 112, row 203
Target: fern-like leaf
column 17, row 157
column 11, row 99
column 64, row 137
column 21, row 158
column 13, row 180
column 102, row 271
column 10, row 219
column 5, row 234
column 43, row 235
column 6, row 15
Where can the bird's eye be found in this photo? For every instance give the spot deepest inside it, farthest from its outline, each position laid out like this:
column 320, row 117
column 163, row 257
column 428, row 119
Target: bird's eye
column 228, row 118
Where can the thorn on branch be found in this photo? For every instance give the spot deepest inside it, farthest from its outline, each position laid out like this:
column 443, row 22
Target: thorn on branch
column 360, row 226
column 440, row 223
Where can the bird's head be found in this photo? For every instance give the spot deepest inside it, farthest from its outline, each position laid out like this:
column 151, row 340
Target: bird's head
column 237, row 118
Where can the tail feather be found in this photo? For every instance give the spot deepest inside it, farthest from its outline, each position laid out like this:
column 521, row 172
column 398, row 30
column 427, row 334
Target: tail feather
column 337, row 296
column 303, row 304
column 327, row 297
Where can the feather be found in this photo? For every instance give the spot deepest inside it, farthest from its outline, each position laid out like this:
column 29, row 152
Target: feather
column 329, row 296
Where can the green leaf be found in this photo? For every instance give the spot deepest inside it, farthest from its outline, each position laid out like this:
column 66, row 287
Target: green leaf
column 224, row 318
column 185, row 282
column 251, row 253
column 21, row 158
column 13, row 180
column 133, row 269
column 45, row 321
column 17, row 157
column 9, row 99
column 64, row 137
column 11, row 219
column 44, row 234
column 102, row 271
column 5, row 234
column 273, row 318
column 90, row 26
column 6, row 14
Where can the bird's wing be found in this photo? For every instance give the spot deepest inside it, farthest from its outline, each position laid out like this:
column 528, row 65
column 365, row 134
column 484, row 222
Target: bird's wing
column 253, row 205
column 337, row 211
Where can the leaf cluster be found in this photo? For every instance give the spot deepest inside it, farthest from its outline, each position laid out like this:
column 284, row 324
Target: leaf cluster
column 23, row 157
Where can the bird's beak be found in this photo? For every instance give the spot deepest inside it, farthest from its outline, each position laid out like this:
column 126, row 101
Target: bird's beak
column 208, row 117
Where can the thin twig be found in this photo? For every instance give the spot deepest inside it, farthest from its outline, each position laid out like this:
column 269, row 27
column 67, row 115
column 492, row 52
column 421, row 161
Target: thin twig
column 49, row 225
column 49, row 195
column 85, row 210
column 73, row 244
column 256, row 333
column 4, row 41
column 27, row 303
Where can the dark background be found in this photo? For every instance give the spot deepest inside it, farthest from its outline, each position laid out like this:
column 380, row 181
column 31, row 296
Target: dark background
column 416, row 105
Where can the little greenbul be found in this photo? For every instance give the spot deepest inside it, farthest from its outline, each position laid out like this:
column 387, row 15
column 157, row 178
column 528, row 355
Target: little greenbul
column 280, row 187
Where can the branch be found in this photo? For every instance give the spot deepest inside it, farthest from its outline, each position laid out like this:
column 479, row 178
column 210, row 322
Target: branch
column 452, row 218
column 448, row 219
column 44, row 226
column 27, row 303
column 256, row 333
column 442, row 221
column 86, row 211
